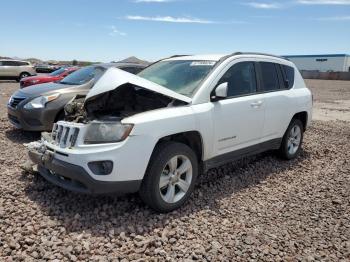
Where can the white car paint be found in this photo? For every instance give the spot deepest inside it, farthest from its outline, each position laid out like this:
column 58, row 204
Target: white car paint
column 224, row 126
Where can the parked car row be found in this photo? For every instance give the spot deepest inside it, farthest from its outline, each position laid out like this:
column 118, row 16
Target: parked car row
column 55, row 76
column 38, row 106
column 156, row 131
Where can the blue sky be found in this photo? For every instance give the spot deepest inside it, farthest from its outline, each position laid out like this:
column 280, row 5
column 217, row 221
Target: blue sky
column 108, row 30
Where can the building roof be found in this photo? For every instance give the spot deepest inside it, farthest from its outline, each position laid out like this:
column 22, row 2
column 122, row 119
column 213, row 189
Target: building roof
column 312, row 56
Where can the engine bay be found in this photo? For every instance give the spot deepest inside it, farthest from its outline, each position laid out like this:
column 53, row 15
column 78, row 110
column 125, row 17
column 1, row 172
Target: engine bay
column 122, row 102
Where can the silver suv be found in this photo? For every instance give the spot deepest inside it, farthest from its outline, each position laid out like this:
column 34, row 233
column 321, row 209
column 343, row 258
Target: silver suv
column 15, row 69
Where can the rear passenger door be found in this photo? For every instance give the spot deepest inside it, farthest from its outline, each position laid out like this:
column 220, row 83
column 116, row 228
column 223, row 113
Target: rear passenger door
column 7, row 68
column 274, row 86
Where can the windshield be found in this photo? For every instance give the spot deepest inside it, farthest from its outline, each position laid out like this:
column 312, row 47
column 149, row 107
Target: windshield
column 181, row 76
column 57, row 72
column 83, row 75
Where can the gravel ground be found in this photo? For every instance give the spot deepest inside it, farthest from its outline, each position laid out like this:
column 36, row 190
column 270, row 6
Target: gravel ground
column 331, row 99
column 259, row 208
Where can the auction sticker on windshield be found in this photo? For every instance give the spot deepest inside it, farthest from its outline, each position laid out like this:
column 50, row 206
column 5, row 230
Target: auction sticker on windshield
column 203, row 63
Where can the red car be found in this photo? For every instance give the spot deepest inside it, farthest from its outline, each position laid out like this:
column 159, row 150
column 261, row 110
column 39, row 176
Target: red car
column 52, row 77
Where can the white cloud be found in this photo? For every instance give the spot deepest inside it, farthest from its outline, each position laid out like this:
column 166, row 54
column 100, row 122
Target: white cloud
column 170, row 19
column 114, row 31
column 261, row 5
column 324, row 2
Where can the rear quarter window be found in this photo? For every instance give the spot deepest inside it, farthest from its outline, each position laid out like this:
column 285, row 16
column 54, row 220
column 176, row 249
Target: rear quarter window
column 289, row 75
column 20, row 63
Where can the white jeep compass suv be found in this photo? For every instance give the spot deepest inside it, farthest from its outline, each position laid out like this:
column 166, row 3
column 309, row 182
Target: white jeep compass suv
column 155, row 132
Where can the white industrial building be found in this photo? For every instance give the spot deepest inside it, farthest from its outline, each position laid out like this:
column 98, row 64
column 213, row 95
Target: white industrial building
column 322, row 63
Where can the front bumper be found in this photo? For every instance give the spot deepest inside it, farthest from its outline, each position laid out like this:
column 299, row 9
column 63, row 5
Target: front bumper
column 75, row 178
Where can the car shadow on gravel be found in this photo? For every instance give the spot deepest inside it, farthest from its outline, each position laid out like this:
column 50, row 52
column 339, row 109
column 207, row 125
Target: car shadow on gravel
column 111, row 215
column 19, row 136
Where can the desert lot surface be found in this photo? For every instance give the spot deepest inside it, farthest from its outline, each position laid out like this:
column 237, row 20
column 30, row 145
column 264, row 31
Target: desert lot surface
column 259, row 208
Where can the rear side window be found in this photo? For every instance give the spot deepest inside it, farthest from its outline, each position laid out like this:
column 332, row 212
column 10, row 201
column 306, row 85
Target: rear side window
column 288, row 73
column 269, row 77
column 23, row 63
column 241, row 79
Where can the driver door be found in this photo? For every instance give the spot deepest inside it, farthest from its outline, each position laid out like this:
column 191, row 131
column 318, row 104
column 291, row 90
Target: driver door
column 238, row 118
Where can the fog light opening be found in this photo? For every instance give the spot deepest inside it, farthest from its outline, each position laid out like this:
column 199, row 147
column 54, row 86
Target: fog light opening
column 101, row 167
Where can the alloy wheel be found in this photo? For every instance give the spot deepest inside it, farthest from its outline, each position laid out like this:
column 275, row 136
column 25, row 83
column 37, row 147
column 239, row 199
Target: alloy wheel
column 175, row 179
column 294, row 139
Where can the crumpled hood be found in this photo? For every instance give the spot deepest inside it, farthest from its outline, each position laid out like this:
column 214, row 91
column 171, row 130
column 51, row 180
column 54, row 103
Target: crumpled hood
column 114, row 77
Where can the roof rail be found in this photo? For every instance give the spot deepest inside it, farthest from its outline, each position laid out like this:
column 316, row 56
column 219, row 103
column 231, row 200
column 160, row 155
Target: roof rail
column 173, row 56
column 257, row 53
column 165, row 59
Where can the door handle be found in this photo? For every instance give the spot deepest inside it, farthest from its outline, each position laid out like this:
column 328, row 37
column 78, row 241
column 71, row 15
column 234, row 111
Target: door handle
column 256, row 104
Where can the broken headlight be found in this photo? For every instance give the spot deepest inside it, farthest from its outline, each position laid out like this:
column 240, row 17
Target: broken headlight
column 107, row 132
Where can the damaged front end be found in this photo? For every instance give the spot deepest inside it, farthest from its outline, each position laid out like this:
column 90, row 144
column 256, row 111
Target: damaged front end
column 97, row 118
column 77, row 153
column 118, row 95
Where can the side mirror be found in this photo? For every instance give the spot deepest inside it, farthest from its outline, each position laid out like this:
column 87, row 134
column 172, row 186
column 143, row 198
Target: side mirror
column 220, row 92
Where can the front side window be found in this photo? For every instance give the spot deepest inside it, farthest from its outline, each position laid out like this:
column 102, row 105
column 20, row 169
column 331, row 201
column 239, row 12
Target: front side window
column 269, row 77
column 9, row 63
column 83, row 75
column 241, row 79
column 181, row 76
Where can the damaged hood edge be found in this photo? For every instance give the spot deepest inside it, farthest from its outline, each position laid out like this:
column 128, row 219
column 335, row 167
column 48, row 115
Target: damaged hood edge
column 114, row 77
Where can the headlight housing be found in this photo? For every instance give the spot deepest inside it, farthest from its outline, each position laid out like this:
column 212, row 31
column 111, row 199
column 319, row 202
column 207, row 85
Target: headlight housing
column 107, row 132
column 40, row 101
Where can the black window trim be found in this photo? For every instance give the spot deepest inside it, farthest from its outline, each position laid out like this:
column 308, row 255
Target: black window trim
column 243, row 95
column 261, row 90
column 281, row 78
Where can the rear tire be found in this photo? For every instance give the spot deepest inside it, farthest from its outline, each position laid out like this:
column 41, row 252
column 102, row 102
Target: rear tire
column 23, row 75
column 292, row 140
column 170, row 177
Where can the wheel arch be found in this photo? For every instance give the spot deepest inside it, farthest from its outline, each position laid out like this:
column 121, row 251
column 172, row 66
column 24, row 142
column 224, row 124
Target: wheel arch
column 303, row 117
column 192, row 139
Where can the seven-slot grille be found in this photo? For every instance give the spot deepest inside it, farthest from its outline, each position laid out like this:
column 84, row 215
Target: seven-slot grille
column 64, row 136
column 14, row 101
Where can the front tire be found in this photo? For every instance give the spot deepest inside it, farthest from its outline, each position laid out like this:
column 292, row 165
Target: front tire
column 292, row 140
column 23, row 75
column 170, row 177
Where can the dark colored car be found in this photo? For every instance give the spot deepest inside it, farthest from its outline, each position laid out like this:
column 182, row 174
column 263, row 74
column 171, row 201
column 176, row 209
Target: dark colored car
column 38, row 107
column 45, row 68
column 52, row 77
